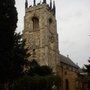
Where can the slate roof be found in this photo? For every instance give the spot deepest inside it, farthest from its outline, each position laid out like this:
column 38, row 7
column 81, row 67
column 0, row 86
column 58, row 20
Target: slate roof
column 68, row 61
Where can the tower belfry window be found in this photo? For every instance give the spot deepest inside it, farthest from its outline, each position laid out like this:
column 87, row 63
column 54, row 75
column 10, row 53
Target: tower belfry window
column 35, row 23
column 50, row 24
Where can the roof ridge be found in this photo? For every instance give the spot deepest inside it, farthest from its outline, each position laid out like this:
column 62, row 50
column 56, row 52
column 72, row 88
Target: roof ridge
column 68, row 61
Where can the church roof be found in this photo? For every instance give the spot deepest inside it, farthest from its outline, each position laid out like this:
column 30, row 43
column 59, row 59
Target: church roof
column 68, row 61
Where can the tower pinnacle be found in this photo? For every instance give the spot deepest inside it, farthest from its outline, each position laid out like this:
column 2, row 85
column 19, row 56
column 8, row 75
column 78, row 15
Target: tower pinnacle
column 50, row 4
column 26, row 4
column 44, row 1
column 54, row 8
column 34, row 2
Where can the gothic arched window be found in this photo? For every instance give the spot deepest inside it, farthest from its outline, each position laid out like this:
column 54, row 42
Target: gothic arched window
column 35, row 23
column 50, row 24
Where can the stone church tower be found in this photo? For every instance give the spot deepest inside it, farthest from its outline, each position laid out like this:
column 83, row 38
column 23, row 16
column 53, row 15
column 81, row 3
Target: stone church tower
column 40, row 32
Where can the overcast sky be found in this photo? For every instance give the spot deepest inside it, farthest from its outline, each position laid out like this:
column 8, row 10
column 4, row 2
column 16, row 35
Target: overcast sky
column 73, row 26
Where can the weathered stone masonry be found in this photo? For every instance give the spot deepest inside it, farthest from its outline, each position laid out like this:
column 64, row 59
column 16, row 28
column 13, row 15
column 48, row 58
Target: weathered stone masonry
column 41, row 35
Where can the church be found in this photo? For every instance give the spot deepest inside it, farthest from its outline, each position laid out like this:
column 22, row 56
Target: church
column 40, row 32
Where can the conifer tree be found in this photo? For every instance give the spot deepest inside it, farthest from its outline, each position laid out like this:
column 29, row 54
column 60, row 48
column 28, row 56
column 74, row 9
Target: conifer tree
column 88, row 73
column 88, row 67
column 12, row 52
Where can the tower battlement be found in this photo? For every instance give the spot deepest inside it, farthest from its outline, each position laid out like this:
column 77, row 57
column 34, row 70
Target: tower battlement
column 37, row 6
